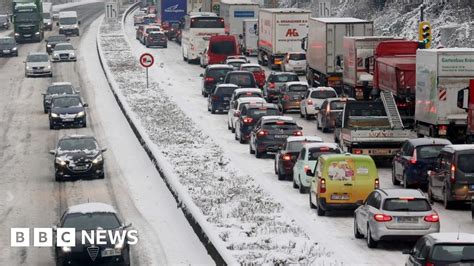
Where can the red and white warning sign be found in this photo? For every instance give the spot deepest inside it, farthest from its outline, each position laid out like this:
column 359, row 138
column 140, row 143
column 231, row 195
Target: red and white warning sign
column 146, row 60
column 442, row 94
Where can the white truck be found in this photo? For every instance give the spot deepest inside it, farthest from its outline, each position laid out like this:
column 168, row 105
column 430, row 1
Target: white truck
column 249, row 38
column 325, row 51
column 280, row 31
column 441, row 77
column 48, row 15
column 235, row 12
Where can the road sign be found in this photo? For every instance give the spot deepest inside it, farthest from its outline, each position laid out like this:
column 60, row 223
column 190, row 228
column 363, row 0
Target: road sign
column 146, row 60
column 111, row 11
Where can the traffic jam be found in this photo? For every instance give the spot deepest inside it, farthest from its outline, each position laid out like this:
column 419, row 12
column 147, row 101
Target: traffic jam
column 372, row 131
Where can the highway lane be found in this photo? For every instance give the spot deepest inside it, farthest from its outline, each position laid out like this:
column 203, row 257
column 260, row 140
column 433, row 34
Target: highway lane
column 31, row 197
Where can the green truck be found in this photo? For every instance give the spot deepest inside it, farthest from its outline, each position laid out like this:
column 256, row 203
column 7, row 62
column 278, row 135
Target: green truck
column 28, row 20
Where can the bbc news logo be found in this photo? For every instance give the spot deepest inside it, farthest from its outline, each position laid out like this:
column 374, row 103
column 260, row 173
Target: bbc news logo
column 66, row 237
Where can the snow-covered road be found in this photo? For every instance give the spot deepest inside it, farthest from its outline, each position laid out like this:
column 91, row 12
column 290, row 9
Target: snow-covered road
column 182, row 83
column 31, row 198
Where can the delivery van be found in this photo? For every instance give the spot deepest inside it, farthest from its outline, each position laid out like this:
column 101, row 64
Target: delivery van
column 341, row 182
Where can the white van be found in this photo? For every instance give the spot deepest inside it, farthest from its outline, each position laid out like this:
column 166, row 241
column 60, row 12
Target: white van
column 47, row 13
column 68, row 23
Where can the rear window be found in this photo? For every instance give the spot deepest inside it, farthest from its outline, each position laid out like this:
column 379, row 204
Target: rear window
column 225, row 90
column 217, row 73
column 244, row 80
column 297, row 56
column 314, row 153
column 412, row 205
column 323, row 94
column 337, row 105
column 283, row 78
column 223, row 47
column 429, row 152
column 298, row 88
column 453, row 253
column 257, row 113
column 280, row 125
column 465, row 163
column 252, row 68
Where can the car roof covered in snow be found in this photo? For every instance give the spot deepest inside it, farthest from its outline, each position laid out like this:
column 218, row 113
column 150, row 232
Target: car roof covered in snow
column 91, row 207
column 428, row 141
column 238, row 2
column 251, row 100
column 251, row 65
column 304, row 138
column 62, row 83
column 322, row 89
column 341, row 20
column 453, row 237
column 321, row 145
column 219, row 66
column 399, row 192
column 291, row 83
column 278, row 118
column 244, row 90
column 459, row 147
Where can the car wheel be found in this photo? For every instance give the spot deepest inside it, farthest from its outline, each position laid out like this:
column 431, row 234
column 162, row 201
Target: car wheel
column 371, row 243
column 446, row 202
column 102, row 176
column 232, row 129
column 301, row 189
column 51, row 126
column 213, row 110
column 357, row 234
column 259, row 154
column 241, row 140
column 235, row 135
column 318, row 126
column 251, row 150
column 311, row 204
column 166, row 46
column 45, row 111
column 84, row 124
column 51, row 75
column 228, row 125
column 294, row 182
column 301, row 114
column 58, row 178
column 204, row 94
column 320, row 211
column 405, row 181
column 430, row 194
column 395, row 181
column 281, row 176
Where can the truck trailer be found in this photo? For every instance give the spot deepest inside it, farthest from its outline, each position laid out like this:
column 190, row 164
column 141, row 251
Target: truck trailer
column 28, row 20
column 172, row 11
column 235, row 12
column 249, row 38
column 442, row 75
column 280, row 30
column 325, row 51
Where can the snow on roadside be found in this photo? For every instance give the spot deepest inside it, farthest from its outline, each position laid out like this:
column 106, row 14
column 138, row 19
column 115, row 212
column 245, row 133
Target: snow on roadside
column 246, row 222
column 58, row 7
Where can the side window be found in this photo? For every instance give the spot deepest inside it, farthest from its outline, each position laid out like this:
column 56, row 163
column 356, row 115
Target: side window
column 404, row 148
column 236, row 104
column 370, row 199
column 425, row 250
column 324, row 105
column 302, row 154
column 449, row 161
column 410, row 150
column 378, row 200
column 418, row 248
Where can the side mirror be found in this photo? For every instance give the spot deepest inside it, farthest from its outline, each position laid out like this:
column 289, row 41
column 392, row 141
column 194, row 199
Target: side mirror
column 317, row 108
column 125, row 226
column 303, row 43
column 52, row 152
column 68, row 39
column 44, row 94
column 309, row 172
column 300, row 128
column 104, row 149
column 85, row 105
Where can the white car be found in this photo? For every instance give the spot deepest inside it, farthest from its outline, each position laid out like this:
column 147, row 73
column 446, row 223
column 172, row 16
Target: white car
column 313, row 99
column 307, row 159
column 245, row 92
column 294, row 62
column 38, row 64
column 236, row 107
column 64, row 52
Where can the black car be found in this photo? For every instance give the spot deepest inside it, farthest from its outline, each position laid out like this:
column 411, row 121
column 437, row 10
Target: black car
column 156, row 38
column 8, row 46
column 270, row 133
column 56, row 89
column 243, row 79
column 213, row 75
column 4, row 22
column 219, row 99
column 67, row 110
column 86, row 218
column 172, row 31
column 53, row 40
column 249, row 116
column 78, row 157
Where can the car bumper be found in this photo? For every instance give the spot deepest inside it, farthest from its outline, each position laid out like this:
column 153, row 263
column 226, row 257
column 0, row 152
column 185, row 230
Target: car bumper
column 286, row 168
column 157, row 43
column 291, row 105
column 27, row 37
column 38, row 72
column 269, row 145
column 417, row 176
column 245, row 132
column 224, row 106
column 64, row 59
column 83, row 258
column 68, row 31
column 8, row 52
column 338, row 206
column 94, row 171
column 380, row 232
column 310, row 110
column 60, row 122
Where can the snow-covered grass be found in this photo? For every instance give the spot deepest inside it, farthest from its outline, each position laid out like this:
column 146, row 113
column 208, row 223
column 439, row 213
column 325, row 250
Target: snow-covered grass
column 243, row 222
column 74, row 3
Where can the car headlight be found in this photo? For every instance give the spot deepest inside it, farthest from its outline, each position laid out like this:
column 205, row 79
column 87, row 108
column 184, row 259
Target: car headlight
column 60, row 162
column 14, row 48
column 80, row 114
column 37, row 33
column 49, row 67
column 28, row 68
column 72, row 54
column 61, row 27
column 49, row 23
column 49, row 45
column 98, row 159
column 76, row 26
column 66, row 249
column 4, row 23
column 17, row 34
column 55, row 55
column 54, row 115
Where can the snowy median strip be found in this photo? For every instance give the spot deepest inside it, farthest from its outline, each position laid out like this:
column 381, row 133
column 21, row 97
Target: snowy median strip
column 244, row 224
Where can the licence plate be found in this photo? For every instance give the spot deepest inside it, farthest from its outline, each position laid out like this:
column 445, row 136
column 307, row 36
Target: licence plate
column 339, row 196
column 281, row 136
column 412, row 220
column 68, row 119
column 110, row 252
column 6, row 51
column 80, row 167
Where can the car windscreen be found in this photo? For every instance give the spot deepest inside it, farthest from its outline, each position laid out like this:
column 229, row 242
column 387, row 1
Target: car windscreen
column 91, row 221
column 68, row 21
column 207, row 22
column 218, row 72
column 46, row 16
column 452, row 253
column 284, row 78
column 60, row 89
column 222, row 47
column 337, row 105
column 225, row 90
column 7, row 41
column 465, row 163
column 63, row 47
column 244, row 80
column 297, row 56
column 406, row 205
column 257, row 113
column 78, row 144
column 67, row 102
column 297, row 88
column 57, row 39
column 323, row 94
column 314, row 153
column 428, row 152
column 280, row 125
column 37, row 58
column 252, row 68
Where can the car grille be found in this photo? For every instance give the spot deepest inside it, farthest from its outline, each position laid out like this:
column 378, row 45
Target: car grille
column 93, row 251
column 80, row 166
column 38, row 68
column 64, row 56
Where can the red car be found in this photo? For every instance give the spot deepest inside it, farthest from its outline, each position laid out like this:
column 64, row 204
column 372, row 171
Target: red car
column 257, row 71
column 220, row 47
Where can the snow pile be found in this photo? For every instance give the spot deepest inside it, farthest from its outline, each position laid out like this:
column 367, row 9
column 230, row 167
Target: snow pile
column 250, row 225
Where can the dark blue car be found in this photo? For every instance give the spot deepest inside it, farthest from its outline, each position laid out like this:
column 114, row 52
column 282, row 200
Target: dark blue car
column 249, row 116
column 411, row 164
column 219, row 99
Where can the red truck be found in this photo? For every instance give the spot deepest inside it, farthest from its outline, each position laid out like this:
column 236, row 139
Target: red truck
column 395, row 72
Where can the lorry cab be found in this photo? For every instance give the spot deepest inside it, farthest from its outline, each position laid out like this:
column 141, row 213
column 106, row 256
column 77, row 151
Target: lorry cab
column 68, row 23
column 220, row 47
column 341, row 181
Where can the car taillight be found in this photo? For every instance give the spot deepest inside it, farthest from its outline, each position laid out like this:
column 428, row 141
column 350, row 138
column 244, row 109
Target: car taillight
column 328, row 109
column 247, row 120
column 376, row 183
column 286, row 157
column 453, row 174
column 262, row 133
column 443, row 130
column 357, row 151
column 298, row 133
column 209, row 79
column 310, row 102
column 271, row 85
column 215, row 97
column 322, row 185
column 382, row 218
column 286, row 97
column 433, row 218
column 429, row 264
column 413, row 157
column 306, row 167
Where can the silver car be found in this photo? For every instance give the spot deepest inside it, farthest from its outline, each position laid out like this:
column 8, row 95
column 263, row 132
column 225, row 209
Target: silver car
column 38, row 64
column 394, row 214
column 64, row 52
